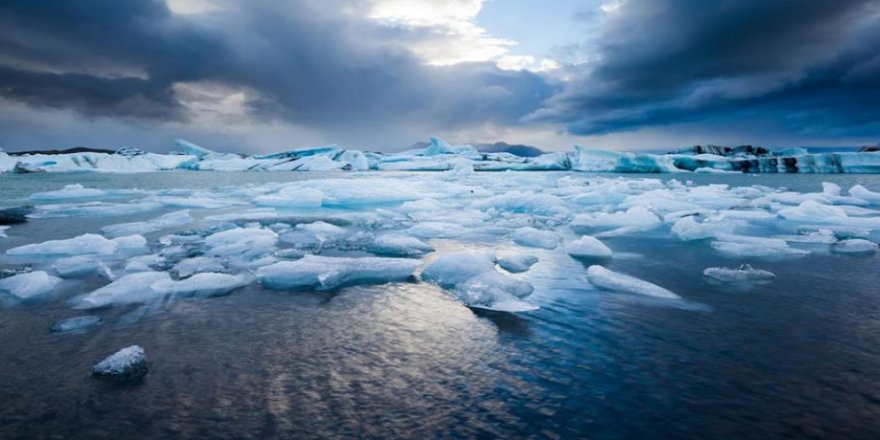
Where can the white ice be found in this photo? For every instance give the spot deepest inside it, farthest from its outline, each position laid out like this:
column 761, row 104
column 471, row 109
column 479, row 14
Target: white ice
column 170, row 220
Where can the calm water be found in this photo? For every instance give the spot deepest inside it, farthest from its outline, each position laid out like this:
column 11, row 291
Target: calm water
column 796, row 358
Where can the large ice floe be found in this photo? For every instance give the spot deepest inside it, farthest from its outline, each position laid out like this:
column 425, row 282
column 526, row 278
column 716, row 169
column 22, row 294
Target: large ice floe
column 475, row 238
column 439, row 155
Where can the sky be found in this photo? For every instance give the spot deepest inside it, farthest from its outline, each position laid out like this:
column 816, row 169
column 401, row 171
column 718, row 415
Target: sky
column 256, row 76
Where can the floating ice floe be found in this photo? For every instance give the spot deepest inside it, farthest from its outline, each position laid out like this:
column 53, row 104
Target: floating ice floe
column 81, row 265
column 745, row 273
column 170, row 220
column 29, row 285
column 326, row 273
column 201, row 284
column 855, row 246
column 746, row 246
column 618, row 282
column 537, row 238
column 399, row 246
column 76, row 323
column 474, row 280
column 191, row 266
column 588, row 247
column 75, row 191
column 129, row 362
column 517, row 263
column 133, row 288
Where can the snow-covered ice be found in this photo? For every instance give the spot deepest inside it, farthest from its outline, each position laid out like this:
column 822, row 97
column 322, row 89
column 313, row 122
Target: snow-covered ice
column 399, row 246
column 855, row 246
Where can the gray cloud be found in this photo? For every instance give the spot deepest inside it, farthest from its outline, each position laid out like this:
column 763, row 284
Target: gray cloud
column 806, row 64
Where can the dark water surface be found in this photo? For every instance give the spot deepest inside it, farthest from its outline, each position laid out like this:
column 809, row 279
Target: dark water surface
column 797, row 358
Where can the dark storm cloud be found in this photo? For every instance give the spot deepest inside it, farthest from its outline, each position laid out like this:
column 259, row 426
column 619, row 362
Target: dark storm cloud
column 810, row 65
column 301, row 61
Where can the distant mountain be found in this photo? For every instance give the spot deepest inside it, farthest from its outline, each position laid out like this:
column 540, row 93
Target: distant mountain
column 498, row 147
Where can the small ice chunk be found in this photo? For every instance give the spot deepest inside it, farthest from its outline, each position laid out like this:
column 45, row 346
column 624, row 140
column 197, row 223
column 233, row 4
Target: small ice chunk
column 81, row 265
column 30, row 284
column 2, row 231
column 130, row 362
column 399, row 246
column 201, row 284
column 75, row 323
column 532, row 237
column 517, row 263
column 588, row 247
column 855, row 246
column 190, row 266
column 473, row 279
column 609, row 280
column 745, row 273
column 75, row 191
column 325, row 273
column 83, row 244
column 133, row 288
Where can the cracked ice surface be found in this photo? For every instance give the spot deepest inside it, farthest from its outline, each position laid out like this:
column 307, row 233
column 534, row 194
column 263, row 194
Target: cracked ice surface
column 474, row 236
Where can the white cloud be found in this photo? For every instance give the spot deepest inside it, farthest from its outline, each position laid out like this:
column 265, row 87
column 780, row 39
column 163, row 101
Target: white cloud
column 450, row 34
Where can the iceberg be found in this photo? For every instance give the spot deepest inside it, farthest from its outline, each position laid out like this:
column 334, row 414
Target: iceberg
column 327, row 273
column 29, row 285
column 636, row 217
column 473, row 279
column 129, row 362
column 618, row 282
column 745, row 273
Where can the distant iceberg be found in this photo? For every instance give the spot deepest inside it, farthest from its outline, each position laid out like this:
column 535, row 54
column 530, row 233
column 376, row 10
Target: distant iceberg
column 440, row 155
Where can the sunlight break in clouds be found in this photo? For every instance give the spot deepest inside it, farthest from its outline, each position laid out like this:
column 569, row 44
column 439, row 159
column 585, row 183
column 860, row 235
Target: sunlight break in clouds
column 449, row 34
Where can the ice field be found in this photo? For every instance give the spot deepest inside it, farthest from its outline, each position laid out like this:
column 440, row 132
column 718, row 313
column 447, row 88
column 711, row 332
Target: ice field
column 365, row 283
